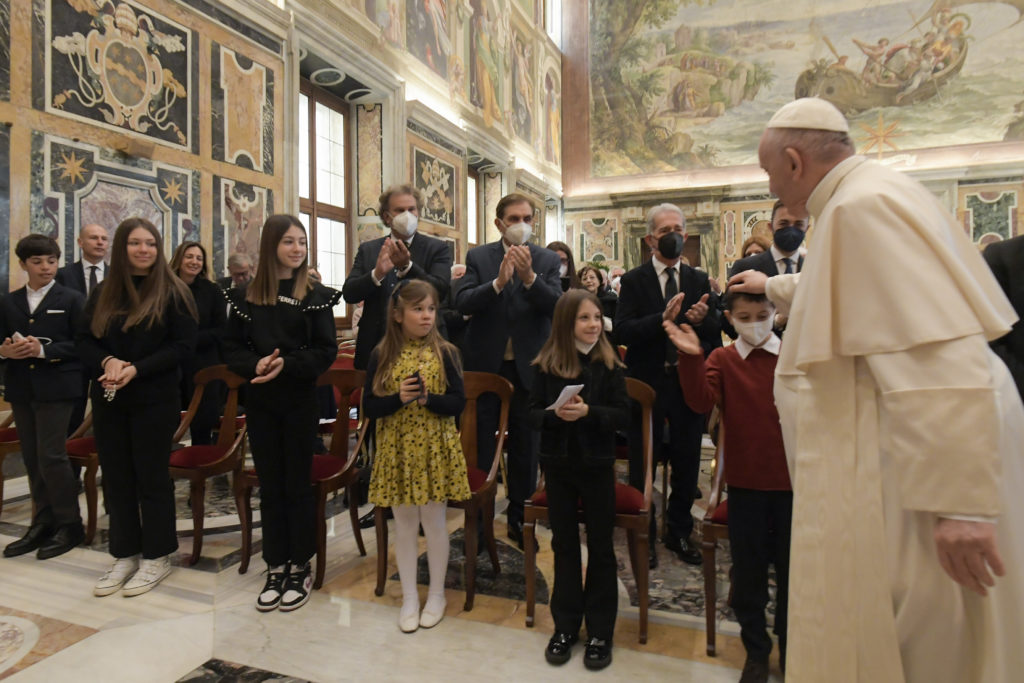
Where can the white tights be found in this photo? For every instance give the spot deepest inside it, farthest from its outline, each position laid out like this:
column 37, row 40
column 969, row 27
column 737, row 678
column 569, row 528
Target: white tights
column 408, row 519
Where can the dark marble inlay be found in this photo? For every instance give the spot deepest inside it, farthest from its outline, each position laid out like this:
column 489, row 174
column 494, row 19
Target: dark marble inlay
column 5, row 50
column 211, row 10
column 5, row 203
column 223, row 672
column 438, row 140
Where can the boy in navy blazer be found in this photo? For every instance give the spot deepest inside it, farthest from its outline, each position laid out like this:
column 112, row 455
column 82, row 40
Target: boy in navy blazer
column 42, row 381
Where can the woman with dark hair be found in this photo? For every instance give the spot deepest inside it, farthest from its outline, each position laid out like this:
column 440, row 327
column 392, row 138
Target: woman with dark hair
column 190, row 264
column 593, row 280
column 138, row 328
column 567, row 271
column 281, row 336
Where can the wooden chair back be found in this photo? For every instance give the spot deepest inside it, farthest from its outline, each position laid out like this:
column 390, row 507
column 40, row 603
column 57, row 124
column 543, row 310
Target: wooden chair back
column 478, row 384
column 229, row 434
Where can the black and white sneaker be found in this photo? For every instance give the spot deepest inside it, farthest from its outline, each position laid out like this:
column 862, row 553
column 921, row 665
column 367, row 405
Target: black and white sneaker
column 273, row 589
column 297, row 587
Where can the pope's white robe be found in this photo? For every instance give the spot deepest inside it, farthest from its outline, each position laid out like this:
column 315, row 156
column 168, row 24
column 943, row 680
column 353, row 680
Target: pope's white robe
column 894, row 412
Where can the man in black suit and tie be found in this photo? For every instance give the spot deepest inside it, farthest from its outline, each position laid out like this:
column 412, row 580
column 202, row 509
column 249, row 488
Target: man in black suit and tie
column 83, row 275
column 42, row 380
column 666, row 289
column 788, row 231
column 382, row 263
column 510, row 289
column 1006, row 259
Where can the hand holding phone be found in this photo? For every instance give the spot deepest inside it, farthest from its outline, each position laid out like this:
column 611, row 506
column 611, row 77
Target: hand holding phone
column 411, row 388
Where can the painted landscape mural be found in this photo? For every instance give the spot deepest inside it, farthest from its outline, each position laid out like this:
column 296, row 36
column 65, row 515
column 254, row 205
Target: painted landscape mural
column 688, row 84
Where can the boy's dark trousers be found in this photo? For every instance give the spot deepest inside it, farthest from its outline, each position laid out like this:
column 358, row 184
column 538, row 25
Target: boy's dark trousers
column 42, row 426
column 759, row 526
column 568, row 483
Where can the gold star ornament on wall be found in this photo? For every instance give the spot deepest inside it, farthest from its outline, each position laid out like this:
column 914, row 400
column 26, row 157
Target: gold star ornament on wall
column 172, row 191
column 881, row 136
column 72, row 168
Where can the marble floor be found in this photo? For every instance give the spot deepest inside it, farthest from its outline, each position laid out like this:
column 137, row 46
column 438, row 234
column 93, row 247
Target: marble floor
column 200, row 623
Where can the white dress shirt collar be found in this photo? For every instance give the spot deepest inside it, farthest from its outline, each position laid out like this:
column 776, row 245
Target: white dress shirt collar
column 772, row 346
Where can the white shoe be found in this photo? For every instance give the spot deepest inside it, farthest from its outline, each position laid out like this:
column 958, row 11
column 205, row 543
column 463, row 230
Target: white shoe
column 151, row 572
column 433, row 611
column 409, row 616
column 115, row 577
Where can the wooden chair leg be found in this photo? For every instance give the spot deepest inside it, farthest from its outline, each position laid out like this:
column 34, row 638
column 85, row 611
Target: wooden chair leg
column 381, row 526
column 492, row 546
column 91, row 500
column 321, row 536
column 469, row 533
column 529, row 569
column 197, row 497
column 2, row 458
column 707, row 547
column 352, row 491
column 245, row 521
column 641, row 570
column 664, row 500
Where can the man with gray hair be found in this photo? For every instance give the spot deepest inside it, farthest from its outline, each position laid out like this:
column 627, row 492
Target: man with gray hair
column 902, row 428
column 665, row 289
column 240, row 271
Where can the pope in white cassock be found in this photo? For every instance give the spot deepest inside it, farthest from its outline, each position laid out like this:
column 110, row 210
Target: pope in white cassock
column 904, row 433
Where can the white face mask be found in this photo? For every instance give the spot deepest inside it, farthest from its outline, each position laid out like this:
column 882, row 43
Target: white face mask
column 563, row 270
column 754, row 333
column 518, row 233
column 404, row 223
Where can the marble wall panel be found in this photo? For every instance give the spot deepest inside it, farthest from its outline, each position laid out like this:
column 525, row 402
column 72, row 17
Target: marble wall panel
column 241, row 110
column 369, row 157
column 598, row 240
column 5, row 50
column 74, row 183
column 492, row 195
column 129, row 68
column 737, row 222
column 990, row 212
column 239, row 211
column 5, row 202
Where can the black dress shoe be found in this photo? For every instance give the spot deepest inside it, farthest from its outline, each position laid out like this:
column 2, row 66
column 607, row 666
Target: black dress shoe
column 697, row 494
column 33, row 538
column 559, row 648
column 515, row 532
column 598, row 654
column 684, row 549
column 368, row 521
column 652, row 556
column 755, row 671
column 66, row 538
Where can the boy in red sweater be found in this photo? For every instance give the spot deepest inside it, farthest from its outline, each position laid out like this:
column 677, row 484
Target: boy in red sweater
column 740, row 377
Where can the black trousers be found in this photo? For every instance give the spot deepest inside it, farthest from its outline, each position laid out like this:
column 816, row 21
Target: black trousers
column 685, row 429
column 523, row 441
column 282, row 434
column 572, row 601
column 42, row 426
column 759, row 523
column 134, row 444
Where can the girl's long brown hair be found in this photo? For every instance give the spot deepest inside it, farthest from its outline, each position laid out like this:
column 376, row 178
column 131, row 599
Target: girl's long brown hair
column 179, row 257
column 262, row 291
column 559, row 356
column 406, row 295
column 145, row 305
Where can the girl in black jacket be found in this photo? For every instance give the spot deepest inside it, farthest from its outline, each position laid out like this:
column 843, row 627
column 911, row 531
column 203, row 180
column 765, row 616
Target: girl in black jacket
column 577, row 451
column 281, row 335
column 138, row 328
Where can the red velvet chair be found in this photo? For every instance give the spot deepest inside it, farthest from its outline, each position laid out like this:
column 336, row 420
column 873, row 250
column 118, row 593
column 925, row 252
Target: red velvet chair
column 199, row 463
column 632, row 513
column 714, row 528
column 331, row 472
column 483, row 485
column 9, row 443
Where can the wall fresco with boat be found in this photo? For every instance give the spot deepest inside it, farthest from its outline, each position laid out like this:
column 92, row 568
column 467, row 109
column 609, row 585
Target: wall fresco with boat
column 689, row 84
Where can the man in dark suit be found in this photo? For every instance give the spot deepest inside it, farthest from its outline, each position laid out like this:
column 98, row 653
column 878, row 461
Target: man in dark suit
column 1006, row 259
column 510, row 289
column 240, row 271
column 83, row 275
column 382, row 263
column 788, row 231
column 455, row 323
column 666, row 289
column 42, row 379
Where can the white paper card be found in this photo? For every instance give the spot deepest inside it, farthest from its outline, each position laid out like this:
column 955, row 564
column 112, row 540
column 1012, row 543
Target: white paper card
column 567, row 393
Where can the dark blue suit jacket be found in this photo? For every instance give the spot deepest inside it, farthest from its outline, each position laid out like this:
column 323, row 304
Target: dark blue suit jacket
column 638, row 318
column 73, row 276
column 431, row 261
column 58, row 376
column 522, row 314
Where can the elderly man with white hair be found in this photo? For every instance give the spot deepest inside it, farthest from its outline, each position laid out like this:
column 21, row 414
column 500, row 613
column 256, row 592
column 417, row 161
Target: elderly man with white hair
column 903, row 431
column 666, row 289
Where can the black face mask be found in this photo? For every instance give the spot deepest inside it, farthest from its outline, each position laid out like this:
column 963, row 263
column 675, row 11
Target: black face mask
column 788, row 239
column 670, row 246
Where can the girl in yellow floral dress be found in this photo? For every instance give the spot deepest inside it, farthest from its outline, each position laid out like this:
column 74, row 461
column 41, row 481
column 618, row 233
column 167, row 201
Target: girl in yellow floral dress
column 414, row 392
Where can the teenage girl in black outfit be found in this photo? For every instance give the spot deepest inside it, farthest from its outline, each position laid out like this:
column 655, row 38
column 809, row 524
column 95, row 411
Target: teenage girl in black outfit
column 281, row 335
column 139, row 325
column 577, row 451
column 190, row 264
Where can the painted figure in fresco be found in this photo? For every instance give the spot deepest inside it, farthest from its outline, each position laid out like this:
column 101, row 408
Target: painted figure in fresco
column 427, row 33
column 523, row 92
column 553, row 131
column 487, row 62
